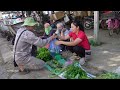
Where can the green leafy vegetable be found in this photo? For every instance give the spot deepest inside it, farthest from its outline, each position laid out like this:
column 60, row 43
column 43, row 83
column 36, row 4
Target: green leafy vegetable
column 44, row 54
column 54, row 64
column 74, row 72
column 109, row 75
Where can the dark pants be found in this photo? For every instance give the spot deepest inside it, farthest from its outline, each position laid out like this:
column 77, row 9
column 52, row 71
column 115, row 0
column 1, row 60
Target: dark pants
column 64, row 47
column 80, row 51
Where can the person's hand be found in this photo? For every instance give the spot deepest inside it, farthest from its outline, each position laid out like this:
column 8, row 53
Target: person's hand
column 63, row 30
column 46, row 25
column 53, row 36
column 71, row 40
column 58, row 42
column 57, row 32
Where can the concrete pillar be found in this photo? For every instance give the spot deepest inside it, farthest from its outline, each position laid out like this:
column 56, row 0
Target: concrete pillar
column 96, row 26
column 0, row 15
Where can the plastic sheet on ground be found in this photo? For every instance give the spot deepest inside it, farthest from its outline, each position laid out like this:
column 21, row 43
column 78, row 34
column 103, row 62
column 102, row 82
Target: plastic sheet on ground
column 77, row 64
column 62, row 61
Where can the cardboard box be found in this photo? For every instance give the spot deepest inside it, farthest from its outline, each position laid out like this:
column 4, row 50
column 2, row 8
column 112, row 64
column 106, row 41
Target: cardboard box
column 59, row 15
column 80, row 13
column 52, row 17
column 83, row 13
column 76, row 13
column 90, row 13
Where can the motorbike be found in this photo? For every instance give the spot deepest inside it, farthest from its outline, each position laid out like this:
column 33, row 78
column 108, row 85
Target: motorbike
column 103, row 24
column 113, row 26
column 88, row 22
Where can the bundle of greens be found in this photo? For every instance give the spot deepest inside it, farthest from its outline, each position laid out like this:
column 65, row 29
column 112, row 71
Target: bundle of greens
column 58, row 71
column 44, row 54
column 74, row 72
column 109, row 75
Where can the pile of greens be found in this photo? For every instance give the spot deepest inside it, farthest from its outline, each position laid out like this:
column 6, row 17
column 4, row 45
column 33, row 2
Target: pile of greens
column 54, row 64
column 58, row 71
column 44, row 54
column 74, row 72
column 109, row 75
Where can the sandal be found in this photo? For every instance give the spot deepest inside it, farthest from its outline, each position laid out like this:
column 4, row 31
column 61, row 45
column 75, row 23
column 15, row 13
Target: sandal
column 25, row 71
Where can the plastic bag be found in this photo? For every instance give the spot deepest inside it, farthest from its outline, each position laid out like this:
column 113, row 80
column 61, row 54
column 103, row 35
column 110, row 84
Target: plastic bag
column 66, row 18
column 53, row 47
column 68, row 62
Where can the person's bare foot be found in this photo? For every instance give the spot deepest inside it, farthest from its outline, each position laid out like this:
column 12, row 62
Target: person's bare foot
column 22, row 70
column 25, row 71
column 82, row 61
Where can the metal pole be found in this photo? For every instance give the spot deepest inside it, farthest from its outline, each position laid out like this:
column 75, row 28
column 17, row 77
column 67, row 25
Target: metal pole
column 96, row 26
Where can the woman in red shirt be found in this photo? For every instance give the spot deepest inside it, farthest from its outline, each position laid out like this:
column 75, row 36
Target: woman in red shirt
column 79, row 43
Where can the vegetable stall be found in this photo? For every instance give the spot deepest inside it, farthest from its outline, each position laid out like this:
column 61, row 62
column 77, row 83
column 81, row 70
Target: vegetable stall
column 69, row 69
column 58, row 65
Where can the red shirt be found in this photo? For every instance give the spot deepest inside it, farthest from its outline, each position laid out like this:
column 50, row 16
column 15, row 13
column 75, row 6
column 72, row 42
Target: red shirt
column 84, row 43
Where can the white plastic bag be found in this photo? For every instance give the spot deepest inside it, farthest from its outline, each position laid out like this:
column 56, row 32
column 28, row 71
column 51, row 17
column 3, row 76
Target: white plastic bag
column 66, row 18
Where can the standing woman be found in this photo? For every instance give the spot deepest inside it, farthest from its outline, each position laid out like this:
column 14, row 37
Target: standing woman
column 79, row 43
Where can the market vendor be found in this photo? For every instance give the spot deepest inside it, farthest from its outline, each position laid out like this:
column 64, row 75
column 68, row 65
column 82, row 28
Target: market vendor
column 25, row 39
column 79, row 43
column 62, row 31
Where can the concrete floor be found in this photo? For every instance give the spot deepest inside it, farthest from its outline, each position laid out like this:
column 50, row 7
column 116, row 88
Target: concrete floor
column 106, row 56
